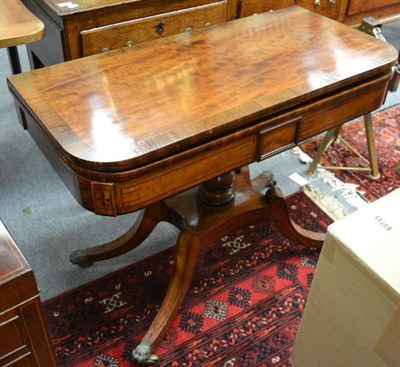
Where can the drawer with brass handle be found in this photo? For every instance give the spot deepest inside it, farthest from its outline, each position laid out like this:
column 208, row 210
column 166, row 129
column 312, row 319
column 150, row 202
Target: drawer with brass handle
column 328, row 8
column 128, row 33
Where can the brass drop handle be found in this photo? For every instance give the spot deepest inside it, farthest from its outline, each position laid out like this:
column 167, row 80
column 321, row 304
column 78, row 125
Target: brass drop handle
column 332, row 2
column 188, row 29
column 208, row 24
column 128, row 44
column 317, row 3
column 105, row 49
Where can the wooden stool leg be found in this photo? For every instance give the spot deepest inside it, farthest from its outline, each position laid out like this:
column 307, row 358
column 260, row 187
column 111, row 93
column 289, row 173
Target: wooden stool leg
column 14, row 59
column 371, row 146
column 329, row 138
column 188, row 247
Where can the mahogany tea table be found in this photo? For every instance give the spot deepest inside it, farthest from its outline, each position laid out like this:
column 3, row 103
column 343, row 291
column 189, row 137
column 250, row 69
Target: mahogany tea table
column 169, row 127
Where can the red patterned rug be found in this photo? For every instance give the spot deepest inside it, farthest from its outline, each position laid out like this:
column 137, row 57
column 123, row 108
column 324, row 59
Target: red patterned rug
column 386, row 125
column 242, row 310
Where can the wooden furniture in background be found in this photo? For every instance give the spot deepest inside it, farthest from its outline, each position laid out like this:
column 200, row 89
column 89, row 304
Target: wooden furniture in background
column 81, row 28
column 18, row 26
column 350, row 12
column 84, row 27
column 125, row 134
column 334, row 9
column 24, row 341
column 357, row 10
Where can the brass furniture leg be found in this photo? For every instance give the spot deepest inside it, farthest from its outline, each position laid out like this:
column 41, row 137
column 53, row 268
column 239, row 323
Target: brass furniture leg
column 329, row 138
column 333, row 134
column 371, row 146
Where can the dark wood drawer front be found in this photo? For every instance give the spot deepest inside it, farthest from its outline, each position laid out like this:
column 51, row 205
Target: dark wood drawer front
column 361, row 6
column 10, row 337
column 24, row 362
column 328, row 8
column 135, row 31
column 278, row 138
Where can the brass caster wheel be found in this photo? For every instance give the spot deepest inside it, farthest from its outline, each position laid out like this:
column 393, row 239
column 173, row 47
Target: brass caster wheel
column 152, row 361
column 80, row 258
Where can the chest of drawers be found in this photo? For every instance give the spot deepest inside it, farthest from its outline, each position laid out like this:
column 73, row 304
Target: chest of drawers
column 127, row 33
column 85, row 27
column 329, row 8
column 24, row 341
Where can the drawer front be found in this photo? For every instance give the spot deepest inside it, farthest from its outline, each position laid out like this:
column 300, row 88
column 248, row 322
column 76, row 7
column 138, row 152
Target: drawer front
column 11, row 338
column 25, row 361
column 328, row 8
column 145, row 29
column 360, row 6
column 276, row 139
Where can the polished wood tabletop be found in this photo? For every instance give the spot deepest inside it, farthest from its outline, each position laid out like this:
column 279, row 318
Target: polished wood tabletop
column 151, row 100
column 122, row 115
column 18, row 25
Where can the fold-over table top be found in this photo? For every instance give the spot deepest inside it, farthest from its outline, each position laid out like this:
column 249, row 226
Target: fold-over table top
column 133, row 106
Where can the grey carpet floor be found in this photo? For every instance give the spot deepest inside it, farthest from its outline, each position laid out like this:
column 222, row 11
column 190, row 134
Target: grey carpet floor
column 48, row 224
